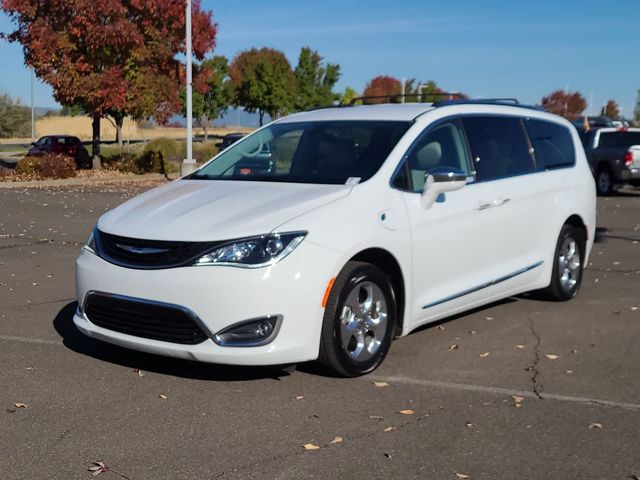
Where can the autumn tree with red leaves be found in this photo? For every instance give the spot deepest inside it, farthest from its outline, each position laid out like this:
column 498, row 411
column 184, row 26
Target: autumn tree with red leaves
column 611, row 109
column 382, row 85
column 568, row 105
column 110, row 57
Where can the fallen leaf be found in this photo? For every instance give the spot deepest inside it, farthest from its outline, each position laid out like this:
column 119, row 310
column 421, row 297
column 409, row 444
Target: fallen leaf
column 163, row 396
column 381, row 384
column 488, row 318
column 388, row 455
column 21, row 405
column 517, row 401
column 310, row 446
column 299, row 397
column 453, row 347
column 634, row 308
column 520, row 346
column 461, row 475
column 551, row 356
column 139, row 372
column 468, row 424
column 98, row 468
column 485, row 354
column 336, row 440
column 569, row 371
column 407, row 412
column 390, row 429
column 440, row 327
column 472, row 332
column 376, row 417
column 595, row 425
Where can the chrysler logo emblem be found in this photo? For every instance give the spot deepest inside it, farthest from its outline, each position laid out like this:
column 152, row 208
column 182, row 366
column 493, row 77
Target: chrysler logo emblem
column 141, row 250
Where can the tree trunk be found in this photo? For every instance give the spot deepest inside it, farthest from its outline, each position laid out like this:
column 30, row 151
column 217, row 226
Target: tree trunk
column 261, row 114
column 205, row 127
column 119, row 120
column 95, row 141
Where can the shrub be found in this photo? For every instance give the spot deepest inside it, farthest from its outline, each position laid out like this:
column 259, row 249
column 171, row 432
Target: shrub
column 170, row 149
column 205, row 151
column 5, row 172
column 125, row 162
column 48, row 166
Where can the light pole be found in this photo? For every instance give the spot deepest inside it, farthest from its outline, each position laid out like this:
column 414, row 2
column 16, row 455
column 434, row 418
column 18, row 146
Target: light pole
column 188, row 164
column 33, row 113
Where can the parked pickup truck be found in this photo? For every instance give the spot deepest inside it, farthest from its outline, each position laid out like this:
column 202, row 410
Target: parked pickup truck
column 614, row 156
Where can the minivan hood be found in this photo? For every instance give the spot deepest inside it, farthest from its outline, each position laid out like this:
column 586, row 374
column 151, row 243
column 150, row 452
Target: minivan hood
column 207, row 210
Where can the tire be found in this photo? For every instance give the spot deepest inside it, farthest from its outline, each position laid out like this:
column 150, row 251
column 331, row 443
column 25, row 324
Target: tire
column 359, row 321
column 568, row 265
column 604, row 181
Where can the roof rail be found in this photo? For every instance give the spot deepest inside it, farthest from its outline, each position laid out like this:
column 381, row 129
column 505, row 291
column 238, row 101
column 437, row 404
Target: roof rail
column 397, row 96
column 479, row 101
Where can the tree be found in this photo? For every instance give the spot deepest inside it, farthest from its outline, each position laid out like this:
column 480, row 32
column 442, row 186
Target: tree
column 611, row 109
column 315, row 80
column 636, row 111
column 213, row 92
column 568, row 105
column 15, row 118
column 382, row 85
column 263, row 82
column 115, row 57
column 72, row 111
column 347, row 97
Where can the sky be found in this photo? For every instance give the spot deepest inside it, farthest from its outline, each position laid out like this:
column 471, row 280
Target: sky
column 485, row 48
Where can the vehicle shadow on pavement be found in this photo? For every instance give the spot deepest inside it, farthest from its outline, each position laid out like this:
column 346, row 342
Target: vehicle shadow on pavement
column 76, row 341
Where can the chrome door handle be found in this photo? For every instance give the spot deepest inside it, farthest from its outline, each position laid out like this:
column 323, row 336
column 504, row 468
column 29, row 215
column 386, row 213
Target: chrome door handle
column 493, row 203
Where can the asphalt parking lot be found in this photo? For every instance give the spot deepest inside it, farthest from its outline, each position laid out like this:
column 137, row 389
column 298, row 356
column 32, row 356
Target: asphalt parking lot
column 522, row 389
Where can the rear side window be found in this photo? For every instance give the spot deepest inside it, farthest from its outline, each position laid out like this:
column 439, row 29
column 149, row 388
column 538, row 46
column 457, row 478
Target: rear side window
column 619, row 139
column 552, row 144
column 499, row 147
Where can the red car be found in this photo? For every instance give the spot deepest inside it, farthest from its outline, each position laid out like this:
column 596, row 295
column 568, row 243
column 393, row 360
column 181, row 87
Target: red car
column 61, row 144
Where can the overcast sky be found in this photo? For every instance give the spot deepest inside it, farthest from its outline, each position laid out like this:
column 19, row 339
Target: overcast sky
column 489, row 48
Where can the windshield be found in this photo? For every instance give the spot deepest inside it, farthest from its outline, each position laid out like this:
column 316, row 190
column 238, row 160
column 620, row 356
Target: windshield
column 307, row 152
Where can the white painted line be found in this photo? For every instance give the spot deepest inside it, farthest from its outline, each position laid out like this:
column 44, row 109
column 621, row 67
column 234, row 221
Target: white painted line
column 40, row 341
column 501, row 391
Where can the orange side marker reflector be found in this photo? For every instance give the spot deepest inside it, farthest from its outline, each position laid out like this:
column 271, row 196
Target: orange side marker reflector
column 327, row 292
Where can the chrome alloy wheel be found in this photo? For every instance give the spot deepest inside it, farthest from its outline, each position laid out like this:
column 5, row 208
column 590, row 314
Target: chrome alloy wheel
column 569, row 264
column 363, row 321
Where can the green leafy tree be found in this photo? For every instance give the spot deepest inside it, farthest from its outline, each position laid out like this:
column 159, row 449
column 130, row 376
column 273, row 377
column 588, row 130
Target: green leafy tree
column 636, row 111
column 348, row 96
column 263, row 82
column 213, row 92
column 72, row 111
column 15, row 118
column 315, row 80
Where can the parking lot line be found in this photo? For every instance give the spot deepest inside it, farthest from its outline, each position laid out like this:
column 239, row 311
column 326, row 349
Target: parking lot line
column 40, row 341
column 501, row 391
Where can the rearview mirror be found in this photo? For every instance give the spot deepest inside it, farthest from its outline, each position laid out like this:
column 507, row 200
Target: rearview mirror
column 440, row 180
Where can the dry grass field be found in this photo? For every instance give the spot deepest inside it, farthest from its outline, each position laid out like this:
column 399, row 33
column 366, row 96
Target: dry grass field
column 81, row 127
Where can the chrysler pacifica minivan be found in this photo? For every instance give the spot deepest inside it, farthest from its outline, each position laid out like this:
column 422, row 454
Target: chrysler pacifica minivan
column 373, row 220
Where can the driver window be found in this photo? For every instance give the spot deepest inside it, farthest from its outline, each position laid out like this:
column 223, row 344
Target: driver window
column 443, row 146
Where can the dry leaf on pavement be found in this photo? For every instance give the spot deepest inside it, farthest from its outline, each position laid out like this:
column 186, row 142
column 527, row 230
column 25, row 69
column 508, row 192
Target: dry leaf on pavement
column 381, row 384
column 595, row 425
column 98, row 468
column 407, row 412
column 440, row 327
column 336, row 440
column 163, row 396
column 389, row 429
column 485, row 354
column 461, row 475
column 310, row 446
column 376, row 417
column 468, row 424
column 453, row 347
column 21, row 405
column 520, row 346
column 552, row 356
column 299, row 397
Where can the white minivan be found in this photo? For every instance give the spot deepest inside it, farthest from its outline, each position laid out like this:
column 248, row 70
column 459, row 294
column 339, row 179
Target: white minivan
column 325, row 234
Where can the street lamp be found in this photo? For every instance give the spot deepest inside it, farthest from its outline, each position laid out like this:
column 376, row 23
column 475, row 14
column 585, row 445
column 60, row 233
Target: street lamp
column 189, row 164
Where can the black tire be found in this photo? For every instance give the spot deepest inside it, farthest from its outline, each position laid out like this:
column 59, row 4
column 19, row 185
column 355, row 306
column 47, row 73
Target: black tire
column 560, row 289
column 339, row 359
column 604, row 181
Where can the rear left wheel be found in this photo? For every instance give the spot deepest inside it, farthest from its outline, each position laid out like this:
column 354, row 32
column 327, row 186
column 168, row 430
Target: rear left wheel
column 359, row 321
column 568, row 264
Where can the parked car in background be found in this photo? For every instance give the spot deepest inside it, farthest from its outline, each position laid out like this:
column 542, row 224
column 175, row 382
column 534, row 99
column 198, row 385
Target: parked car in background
column 61, row 145
column 372, row 221
column 229, row 140
column 614, row 156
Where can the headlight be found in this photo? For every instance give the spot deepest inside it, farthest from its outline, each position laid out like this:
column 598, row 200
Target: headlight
column 90, row 244
column 254, row 252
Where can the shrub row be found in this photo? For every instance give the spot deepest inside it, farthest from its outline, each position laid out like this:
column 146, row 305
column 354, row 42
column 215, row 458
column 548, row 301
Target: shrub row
column 48, row 166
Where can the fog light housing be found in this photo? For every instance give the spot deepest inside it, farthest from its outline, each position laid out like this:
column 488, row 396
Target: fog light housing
column 249, row 333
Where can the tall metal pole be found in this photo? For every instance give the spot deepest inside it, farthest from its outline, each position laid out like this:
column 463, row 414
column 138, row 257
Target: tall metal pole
column 33, row 113
column 189, row 164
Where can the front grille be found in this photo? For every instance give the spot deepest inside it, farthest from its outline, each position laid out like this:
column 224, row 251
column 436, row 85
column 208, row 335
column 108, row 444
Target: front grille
column 149, row 254
column 153, row 320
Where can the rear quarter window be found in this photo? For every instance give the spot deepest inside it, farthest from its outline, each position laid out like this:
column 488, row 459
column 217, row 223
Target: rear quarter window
column 552, row 144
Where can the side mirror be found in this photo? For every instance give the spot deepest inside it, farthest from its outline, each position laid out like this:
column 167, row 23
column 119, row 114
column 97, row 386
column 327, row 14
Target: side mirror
column 441, row 180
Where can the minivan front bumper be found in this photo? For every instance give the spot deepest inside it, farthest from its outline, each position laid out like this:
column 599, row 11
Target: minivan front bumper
column 218, row 297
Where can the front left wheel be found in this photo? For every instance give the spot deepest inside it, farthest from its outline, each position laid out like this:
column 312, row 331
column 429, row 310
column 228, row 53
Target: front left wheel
column 359, row 321
column 568, row 264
